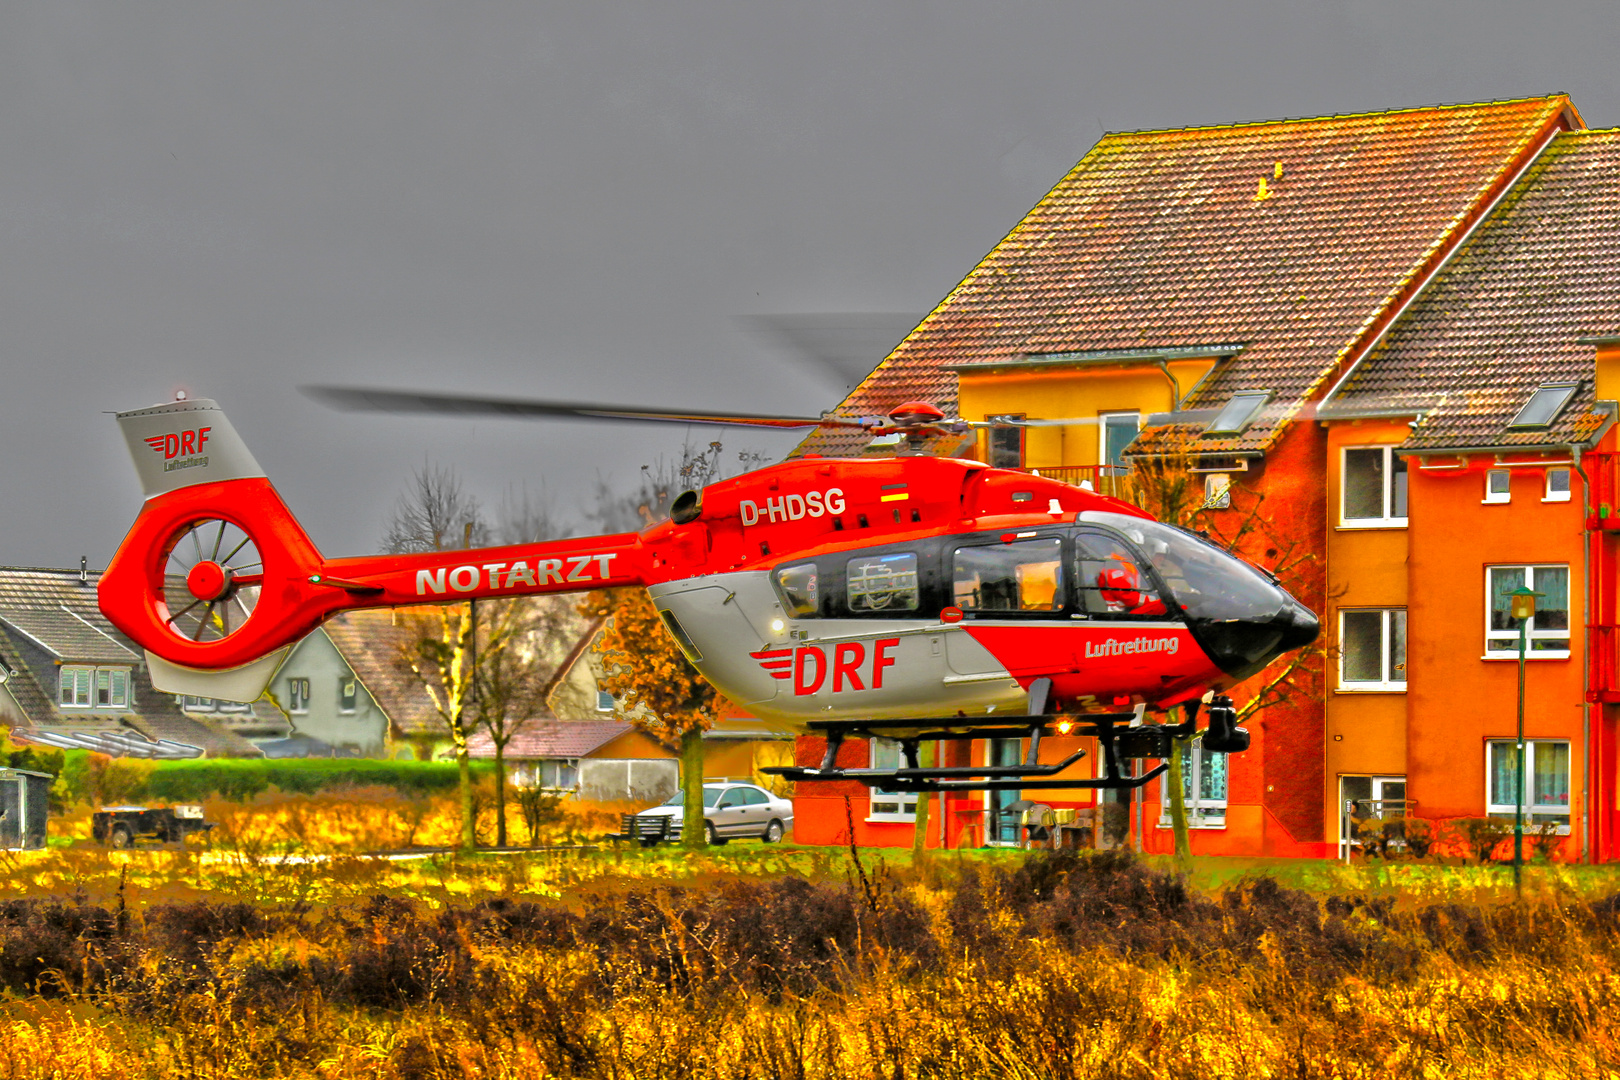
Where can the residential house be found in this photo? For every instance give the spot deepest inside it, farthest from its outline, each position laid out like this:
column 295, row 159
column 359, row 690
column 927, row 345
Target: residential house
column 69, row 679
column 602, row 760
column 1224, row 300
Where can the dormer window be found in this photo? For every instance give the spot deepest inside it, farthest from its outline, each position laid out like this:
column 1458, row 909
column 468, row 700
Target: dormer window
column 1238, row 413
column 1543, row 407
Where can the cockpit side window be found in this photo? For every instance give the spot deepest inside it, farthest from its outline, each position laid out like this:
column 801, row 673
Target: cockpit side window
column 1110, row 582
column 798, row 587
column 1026, row 575
column 882, row 583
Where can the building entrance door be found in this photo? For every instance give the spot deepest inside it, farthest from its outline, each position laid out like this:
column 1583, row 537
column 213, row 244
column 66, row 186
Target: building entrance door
column 1367, row 798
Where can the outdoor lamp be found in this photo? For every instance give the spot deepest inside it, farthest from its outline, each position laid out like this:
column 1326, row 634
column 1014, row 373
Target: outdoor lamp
column 1524, row 602
column 1523, row 609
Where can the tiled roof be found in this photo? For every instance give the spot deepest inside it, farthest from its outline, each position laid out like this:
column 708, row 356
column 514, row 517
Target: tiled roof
column 60, row 614
column 373, row 643
column 1506, row 314
column 1156, row 240
column 552, row 739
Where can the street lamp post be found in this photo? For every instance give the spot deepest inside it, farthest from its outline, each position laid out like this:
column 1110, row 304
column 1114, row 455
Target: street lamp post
column 1524, row 608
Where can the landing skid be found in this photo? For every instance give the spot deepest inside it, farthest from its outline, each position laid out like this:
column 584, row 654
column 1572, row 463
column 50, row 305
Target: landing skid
column 1119, row 737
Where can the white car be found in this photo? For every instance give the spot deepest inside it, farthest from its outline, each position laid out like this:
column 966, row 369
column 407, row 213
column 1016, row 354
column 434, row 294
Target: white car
column 729, row 810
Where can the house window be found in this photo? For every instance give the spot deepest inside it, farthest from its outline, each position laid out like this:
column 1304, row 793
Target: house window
column 890, row 805
column 1203, row 788
column 1543, row 407
column 298, row 696
column 1498, row 486
column 1546, row 793
column 1372, row 649
column 348, row 694
column 1557, row 486
column 882, row 583
column 234, row 706
column 605, row 702
column 1006, row 442
column 195, row 704
column 84, row 687
column 1374, row 487
column 1217, row 491
column 1238, row 413
column 1118, row 432
column 1548, row 629
column 556, row 774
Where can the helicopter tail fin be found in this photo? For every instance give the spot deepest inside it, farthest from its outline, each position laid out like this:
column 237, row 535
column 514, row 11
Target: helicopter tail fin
column 199, row 580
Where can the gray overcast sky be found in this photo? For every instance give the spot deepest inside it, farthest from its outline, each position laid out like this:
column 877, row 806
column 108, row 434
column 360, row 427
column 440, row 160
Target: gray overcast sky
column 579, row 201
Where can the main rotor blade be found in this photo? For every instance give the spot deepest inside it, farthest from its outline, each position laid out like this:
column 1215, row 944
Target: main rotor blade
column 1184, row 416
column 361, row 399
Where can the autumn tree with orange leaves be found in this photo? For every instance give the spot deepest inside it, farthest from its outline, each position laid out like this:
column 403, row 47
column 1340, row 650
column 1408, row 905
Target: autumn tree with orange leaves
column 655, row 687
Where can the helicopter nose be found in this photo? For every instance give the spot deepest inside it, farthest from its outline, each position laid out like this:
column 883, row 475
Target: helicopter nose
column 1299, row 626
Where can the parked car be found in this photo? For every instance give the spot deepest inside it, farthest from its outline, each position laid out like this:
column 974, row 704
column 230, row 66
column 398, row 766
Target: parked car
column 729, row 810
column 121, row 826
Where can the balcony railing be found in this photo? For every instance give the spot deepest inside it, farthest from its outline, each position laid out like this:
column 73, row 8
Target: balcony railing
column 1103, row 479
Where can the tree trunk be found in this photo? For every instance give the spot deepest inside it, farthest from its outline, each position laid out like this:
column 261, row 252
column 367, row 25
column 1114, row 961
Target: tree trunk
column 692, row 777
column 1178, row 805
column 464, row 770
column 919, row 829
column 500, row 795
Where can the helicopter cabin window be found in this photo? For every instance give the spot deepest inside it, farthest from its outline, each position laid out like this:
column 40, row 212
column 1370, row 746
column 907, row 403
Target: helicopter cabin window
column 881, row 583
column 1374, row 488
column 1006, row 443
column 1546, row 792
column 1109, row 583
column 798, row 588
column 1203, row 788
column 1547, row 631
column 890, row 805
column 1023, row 575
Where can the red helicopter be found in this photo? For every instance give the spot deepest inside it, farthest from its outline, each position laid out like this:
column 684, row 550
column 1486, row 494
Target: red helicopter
column 912, row 597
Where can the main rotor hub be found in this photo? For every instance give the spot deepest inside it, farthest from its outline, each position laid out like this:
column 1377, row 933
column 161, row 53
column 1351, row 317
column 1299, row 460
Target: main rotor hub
column 208, row 580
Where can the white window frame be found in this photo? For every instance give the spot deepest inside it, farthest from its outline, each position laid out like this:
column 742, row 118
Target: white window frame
column 1503, row 496
column 93, row 676
column 1504, row 645
column 1531, row 810
column 1201, row 813
column 298, row 696
column 1387, row 520
column 605, row 702
column 1391, row 680
column 906, row 801
column 354, row 699
column 1102, row 439
column 1548, row 495
column 1217, row 491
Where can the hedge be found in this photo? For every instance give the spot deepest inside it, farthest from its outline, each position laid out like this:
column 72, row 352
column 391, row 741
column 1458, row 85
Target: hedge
column 240, row 779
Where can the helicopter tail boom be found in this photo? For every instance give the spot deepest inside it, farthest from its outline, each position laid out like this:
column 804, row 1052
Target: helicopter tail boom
column 217, row 580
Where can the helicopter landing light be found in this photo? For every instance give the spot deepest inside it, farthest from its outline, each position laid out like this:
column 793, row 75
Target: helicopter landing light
column 777, row 626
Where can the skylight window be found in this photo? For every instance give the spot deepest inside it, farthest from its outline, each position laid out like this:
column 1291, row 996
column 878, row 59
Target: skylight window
column 1544, row 406
column 1238, row 413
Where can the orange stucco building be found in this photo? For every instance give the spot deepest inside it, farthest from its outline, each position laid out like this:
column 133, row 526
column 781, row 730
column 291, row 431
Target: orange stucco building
column 1336, row 325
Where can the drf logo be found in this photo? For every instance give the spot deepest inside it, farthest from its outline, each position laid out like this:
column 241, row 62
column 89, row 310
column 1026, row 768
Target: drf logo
column 176, row 443
column 808, row 665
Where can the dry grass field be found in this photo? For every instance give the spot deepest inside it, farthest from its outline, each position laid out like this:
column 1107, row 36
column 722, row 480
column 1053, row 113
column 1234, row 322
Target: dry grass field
column 277, row 951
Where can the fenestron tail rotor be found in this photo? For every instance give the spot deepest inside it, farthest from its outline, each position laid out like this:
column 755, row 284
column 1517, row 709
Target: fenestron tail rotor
column 211, row 580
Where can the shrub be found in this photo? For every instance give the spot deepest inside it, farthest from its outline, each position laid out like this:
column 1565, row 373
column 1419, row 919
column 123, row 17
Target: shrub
column 239, row 779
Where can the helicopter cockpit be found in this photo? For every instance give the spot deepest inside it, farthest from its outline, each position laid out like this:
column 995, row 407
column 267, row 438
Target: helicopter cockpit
column 1103, row 568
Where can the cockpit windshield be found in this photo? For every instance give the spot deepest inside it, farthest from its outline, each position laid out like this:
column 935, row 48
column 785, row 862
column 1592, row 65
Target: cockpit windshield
column 1210, row 584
